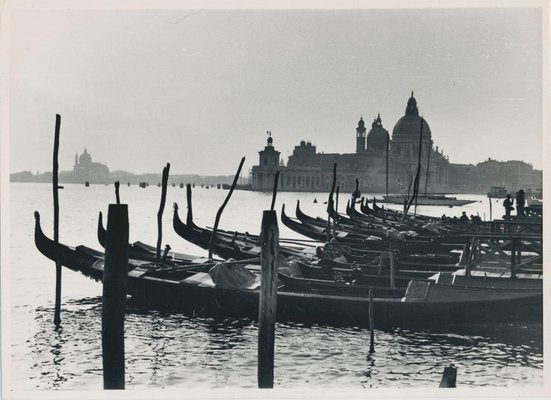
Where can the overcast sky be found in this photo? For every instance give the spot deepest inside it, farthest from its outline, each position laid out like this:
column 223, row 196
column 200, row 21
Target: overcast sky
column 200, row 88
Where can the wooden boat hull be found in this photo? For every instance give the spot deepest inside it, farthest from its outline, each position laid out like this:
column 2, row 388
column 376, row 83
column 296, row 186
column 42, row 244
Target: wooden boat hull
column 175, row 291
column 313, row 308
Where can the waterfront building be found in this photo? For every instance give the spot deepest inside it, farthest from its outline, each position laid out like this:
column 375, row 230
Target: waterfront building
column 512, row 175
column 86, row 170
column 308, row 170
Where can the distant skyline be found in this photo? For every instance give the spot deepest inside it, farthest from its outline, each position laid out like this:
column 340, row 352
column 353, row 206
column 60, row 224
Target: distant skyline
column 200, row 88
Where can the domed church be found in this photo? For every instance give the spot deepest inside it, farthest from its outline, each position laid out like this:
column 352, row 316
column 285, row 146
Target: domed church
column 404, row 152
column 87, row 170
column 376, row 155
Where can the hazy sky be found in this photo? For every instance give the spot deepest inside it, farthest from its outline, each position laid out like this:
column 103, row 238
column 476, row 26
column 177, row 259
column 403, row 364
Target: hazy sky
column 200, row 88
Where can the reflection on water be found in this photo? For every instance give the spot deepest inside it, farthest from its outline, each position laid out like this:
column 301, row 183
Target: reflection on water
column 165, row 349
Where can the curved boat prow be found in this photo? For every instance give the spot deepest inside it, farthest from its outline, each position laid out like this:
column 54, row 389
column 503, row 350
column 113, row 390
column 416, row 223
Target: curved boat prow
column 102, row 234
column 74, row 259
column 176, row 221
column 44, row 244
column 348, row 209
column 186, row 231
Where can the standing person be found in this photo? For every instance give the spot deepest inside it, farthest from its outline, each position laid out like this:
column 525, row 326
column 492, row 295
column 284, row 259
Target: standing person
column 508, row 204
column 520, row 203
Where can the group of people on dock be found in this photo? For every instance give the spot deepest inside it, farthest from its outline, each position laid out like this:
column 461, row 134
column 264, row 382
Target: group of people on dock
column 463, row 219
column 520, row 203
column 507, row 204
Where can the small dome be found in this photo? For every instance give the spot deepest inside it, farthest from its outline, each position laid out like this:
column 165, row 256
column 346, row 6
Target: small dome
column 377, row 136
column 361, row 123
column 85, row 158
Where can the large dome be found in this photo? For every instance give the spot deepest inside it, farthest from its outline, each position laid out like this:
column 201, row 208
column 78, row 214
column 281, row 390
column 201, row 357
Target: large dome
column 377, row 136
column 408, row 127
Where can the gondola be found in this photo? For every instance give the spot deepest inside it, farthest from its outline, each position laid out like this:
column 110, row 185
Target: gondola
column 229, row 245
column 408, row 268
column 424, row 303
column 145, row 252
column 371, row 228
column 320, row 233
column 407, row 265
column 409, row 245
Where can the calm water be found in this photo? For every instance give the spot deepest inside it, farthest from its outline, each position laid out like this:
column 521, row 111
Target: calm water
column 179, row 351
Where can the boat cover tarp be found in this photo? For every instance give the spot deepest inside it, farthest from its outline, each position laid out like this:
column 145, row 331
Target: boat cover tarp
column 289, row 267
column 231, row 276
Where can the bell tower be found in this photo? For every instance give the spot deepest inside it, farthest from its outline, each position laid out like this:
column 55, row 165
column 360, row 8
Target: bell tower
column 269, row 157
column 360, row 136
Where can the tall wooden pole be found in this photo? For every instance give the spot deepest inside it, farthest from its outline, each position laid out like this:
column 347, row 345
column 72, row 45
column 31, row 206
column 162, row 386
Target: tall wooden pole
column 55, row 186
column 336, row 217
column 115, row 282
column 189, row 219
column 269, row 236
column 513, row 258
column 490, row 200
column 416, row 181
column 428, row 167
column 117, row 185
column 355, row 194
column 221, row 209
column 470, row 257
column 337, row 200
column 387, row 149
column 371, row 323
column 330, row 202
column 164, row 185
column 392, row 266
column 274, row 191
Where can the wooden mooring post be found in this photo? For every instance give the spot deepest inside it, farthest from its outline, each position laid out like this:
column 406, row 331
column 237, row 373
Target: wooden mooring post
column 55, row 187
column 274, row 191
column 355, row 194
column 189, row 219
column 371, row 323
column 337, row 201
column 115, row 281
column 117, row 197
column 330, row 202
column 219, row 213
column 470, row 257
column 448, row 377
column 160, row 212
column 269, row 237
column 513, row 258
column 392, row 266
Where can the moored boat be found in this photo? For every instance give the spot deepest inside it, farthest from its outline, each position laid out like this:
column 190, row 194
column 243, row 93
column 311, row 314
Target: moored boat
column 424, row 303
column 428, row 200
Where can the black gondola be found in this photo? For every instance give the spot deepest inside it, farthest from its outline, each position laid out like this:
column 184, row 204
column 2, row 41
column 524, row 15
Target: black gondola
column 425, row 303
